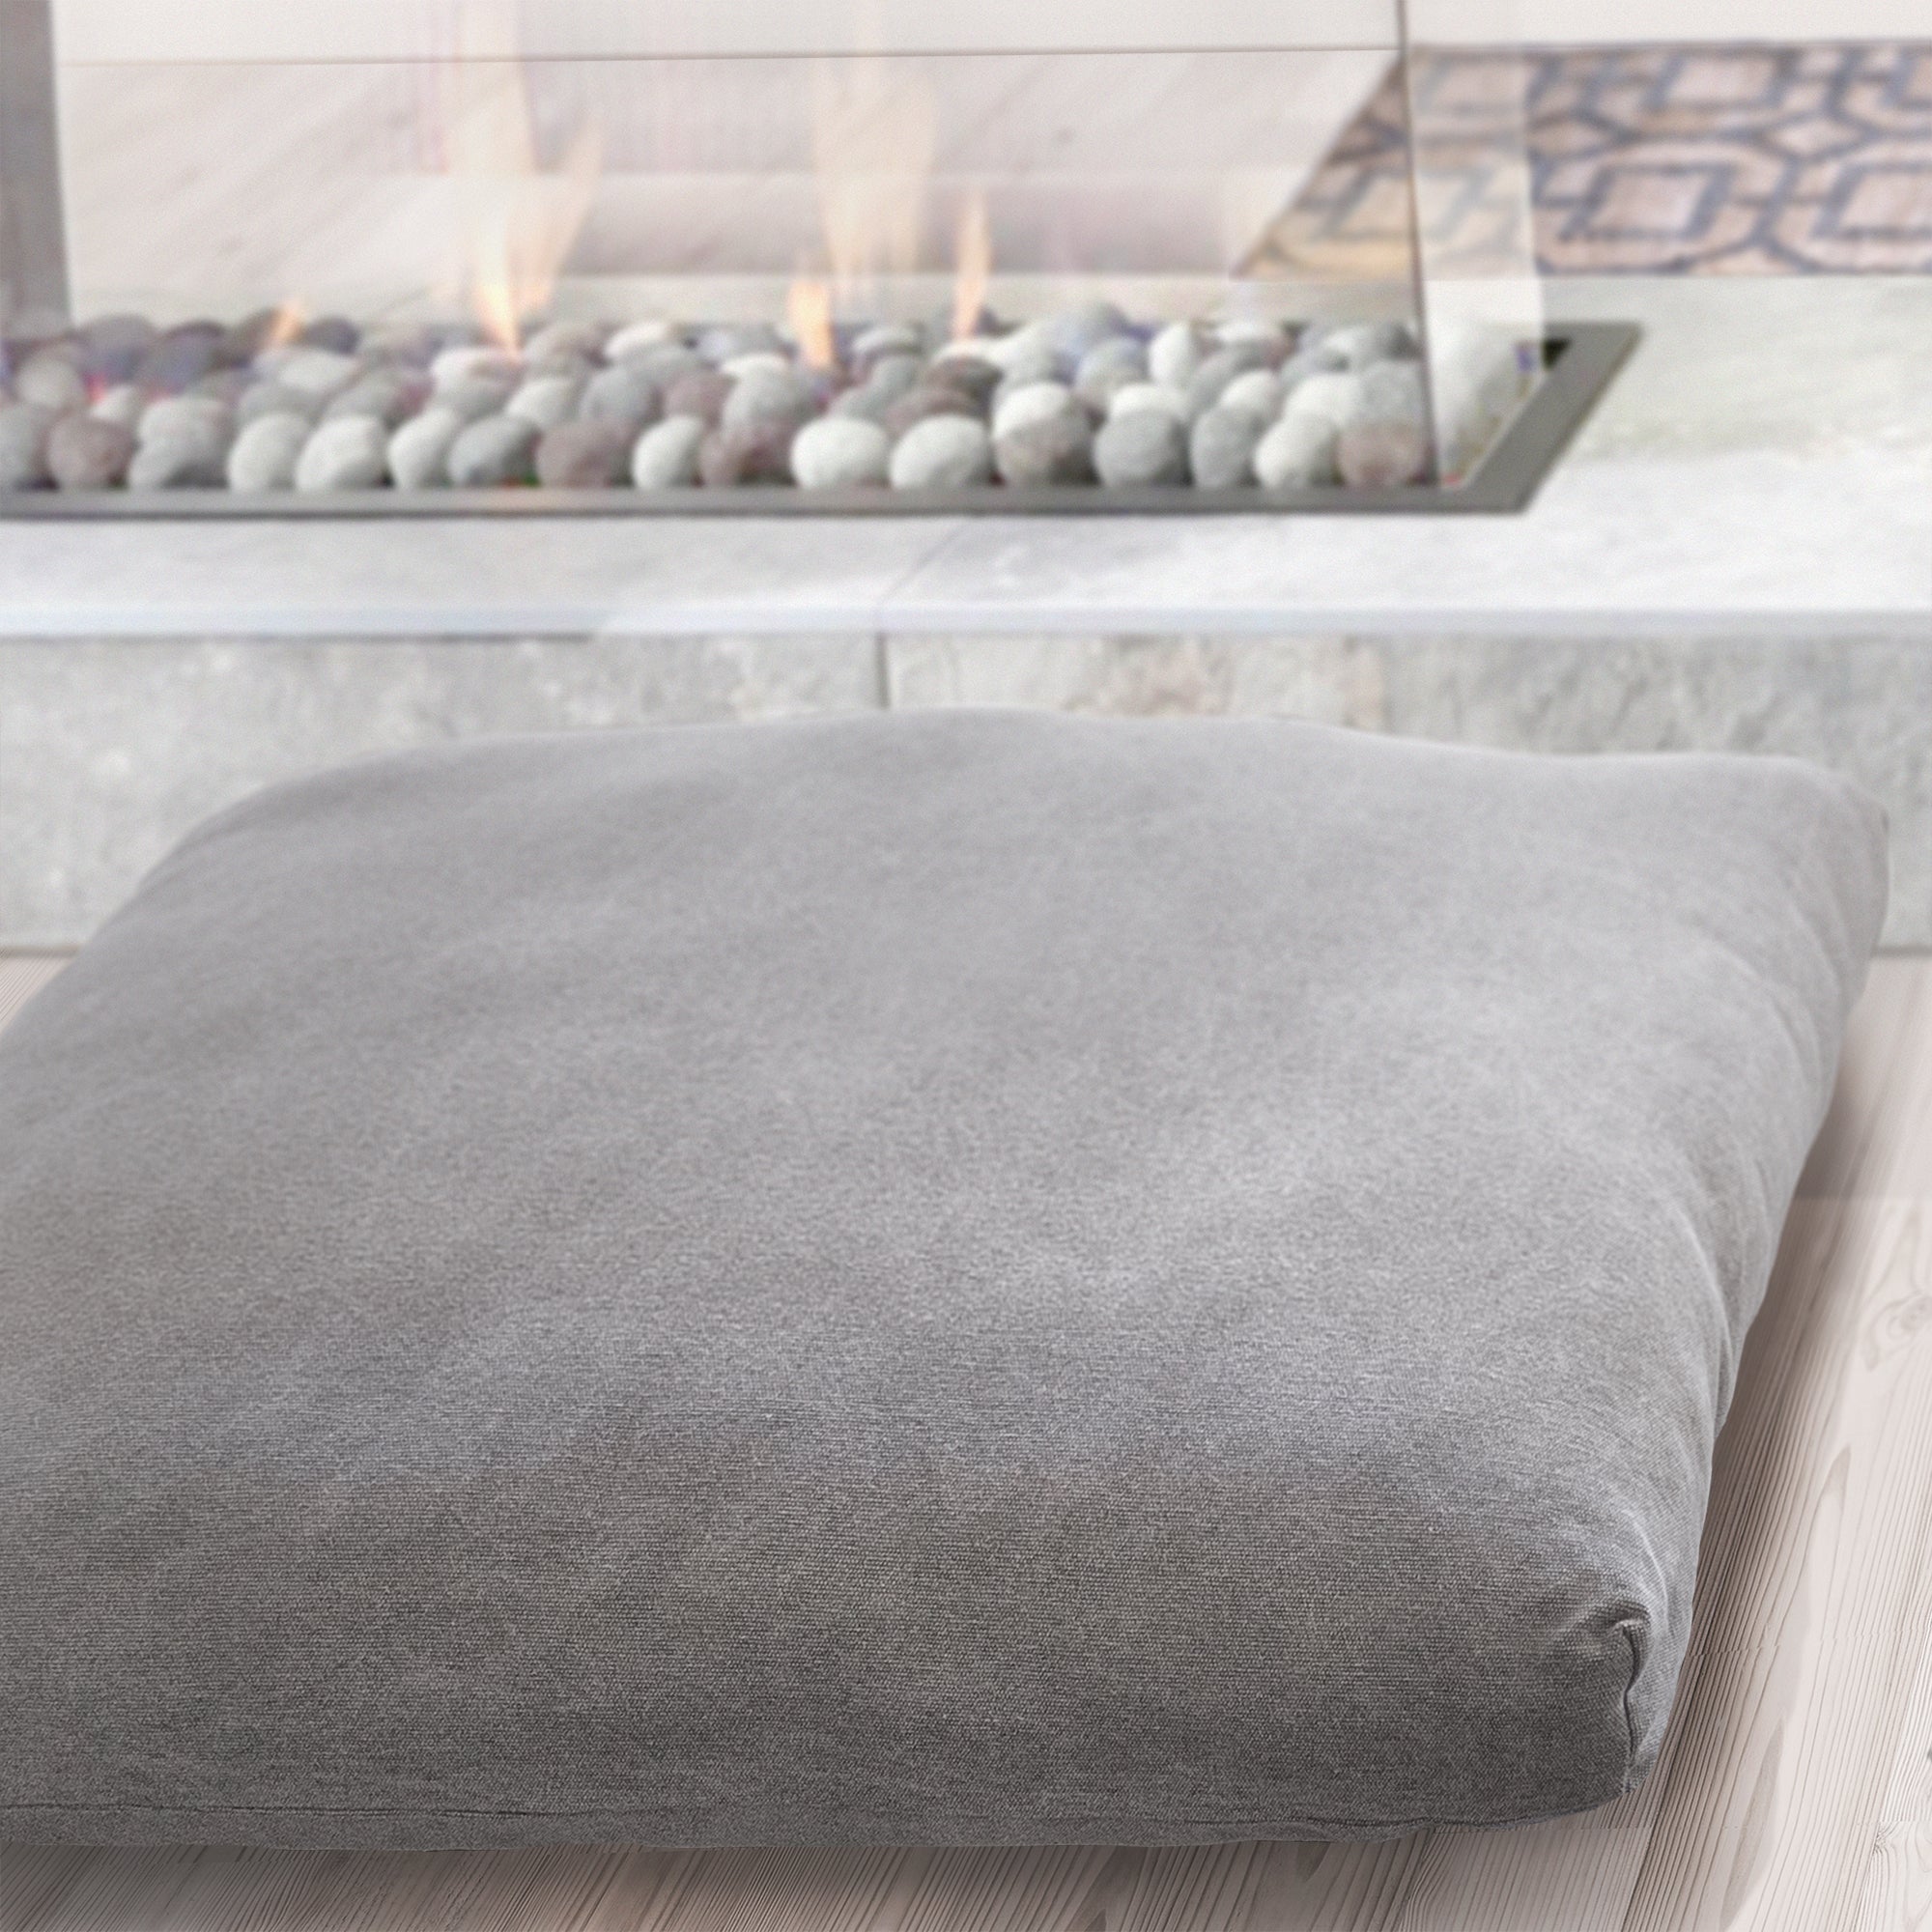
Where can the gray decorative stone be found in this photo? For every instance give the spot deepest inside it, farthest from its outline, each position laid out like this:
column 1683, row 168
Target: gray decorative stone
column 1032, row 402
column 698, row 392
column 967, row 373
column 718, row 344
column 1221, row 447
column 944, row 452
column 665, row 457
column 1298, row 453
column 925, row 400
column 87, row 452
column 1218, row 370
column 1382, row 454
column 182, row 356
column 473, row 398
column 583, row 340
column 840, row 453
column 1175, row 354
column 584, row 455
column 347, row 453
column 666, row 364
column 1107, row 367
column 1306, row 364
column 624, row 396
column 389, row 395
column 750, row 453
column 498, row 449
column 890, row 377
column 1033, row 359
column 1142, row 447
column 247, row 340
column 887, row 338
column 546, row 400
column 333, row 333
column 401, row 345
column 1056, row 448
column 316, row 372
column 1392, row 392
column 265, row 454
column 860, row 402
column 112, row 345
column 1076, row 332
column 767, row 398
column 1362, row 343
column 51, row 380
column 418, row 452
column 272, row 399
column 226, row 386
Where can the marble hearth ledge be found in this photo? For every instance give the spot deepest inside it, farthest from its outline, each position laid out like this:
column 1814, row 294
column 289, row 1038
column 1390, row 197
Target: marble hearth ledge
column 1763, row 466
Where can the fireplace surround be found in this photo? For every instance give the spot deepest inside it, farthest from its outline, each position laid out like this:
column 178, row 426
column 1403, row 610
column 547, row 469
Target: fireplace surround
column 570, row 257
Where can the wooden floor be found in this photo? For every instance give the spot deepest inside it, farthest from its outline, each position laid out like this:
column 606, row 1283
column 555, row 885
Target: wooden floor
column 1795, row 1791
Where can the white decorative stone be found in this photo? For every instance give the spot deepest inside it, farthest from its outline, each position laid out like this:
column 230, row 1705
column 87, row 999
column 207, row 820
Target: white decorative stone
column 122, row 404
column 756, row 361
column 1141, row 447
column 1255, row 391
column 317, row 372
column 349, row 453
column 418, row 453
column 50, row 382
column 471, row 362
column 1298, row 453
column 1032, row 402
column 1161, row 396
column 665, row 457
column 546, row 400
column 1175, row 354
column 265, row 454
column 640, row 338
column 943, row 453
column 1335, row 397
column 840, row 453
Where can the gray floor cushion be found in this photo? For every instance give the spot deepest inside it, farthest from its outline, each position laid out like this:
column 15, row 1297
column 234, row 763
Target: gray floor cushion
column 965, row 1277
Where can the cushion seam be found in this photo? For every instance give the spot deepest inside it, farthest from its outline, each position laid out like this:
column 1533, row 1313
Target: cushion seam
column 1629, row 1630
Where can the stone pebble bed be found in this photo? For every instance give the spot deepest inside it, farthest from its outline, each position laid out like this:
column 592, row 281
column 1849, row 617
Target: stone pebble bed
column 1086, row 396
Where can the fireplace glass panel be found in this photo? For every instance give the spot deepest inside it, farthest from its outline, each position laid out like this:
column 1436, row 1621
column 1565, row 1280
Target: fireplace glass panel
column 1303, row 196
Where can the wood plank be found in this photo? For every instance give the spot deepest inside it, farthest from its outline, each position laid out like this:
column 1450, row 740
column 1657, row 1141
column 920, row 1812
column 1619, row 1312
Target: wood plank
column 22, row 975
column 1898, row 1882
column 1877, row 1138
column 1807, row 1650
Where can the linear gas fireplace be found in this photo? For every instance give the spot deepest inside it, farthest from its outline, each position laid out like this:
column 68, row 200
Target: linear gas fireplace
column 375, row 257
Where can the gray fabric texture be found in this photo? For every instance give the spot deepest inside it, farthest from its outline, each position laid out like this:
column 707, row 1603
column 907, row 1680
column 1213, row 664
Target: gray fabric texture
column 969, row 1277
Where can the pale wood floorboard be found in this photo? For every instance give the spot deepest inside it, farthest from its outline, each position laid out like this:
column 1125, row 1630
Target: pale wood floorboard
column 1795, row 1791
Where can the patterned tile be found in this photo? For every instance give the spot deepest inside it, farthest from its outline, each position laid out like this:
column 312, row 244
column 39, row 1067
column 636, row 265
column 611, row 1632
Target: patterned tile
column 1652, row 160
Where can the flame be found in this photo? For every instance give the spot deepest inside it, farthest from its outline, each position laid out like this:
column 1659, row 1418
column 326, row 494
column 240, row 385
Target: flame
column 517, row 221
column 973, row 268
column 290, row 318
column 808, row 311
column 873, row 133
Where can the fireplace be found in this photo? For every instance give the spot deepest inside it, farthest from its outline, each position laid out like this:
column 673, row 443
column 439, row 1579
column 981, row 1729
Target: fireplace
column 377, row 258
